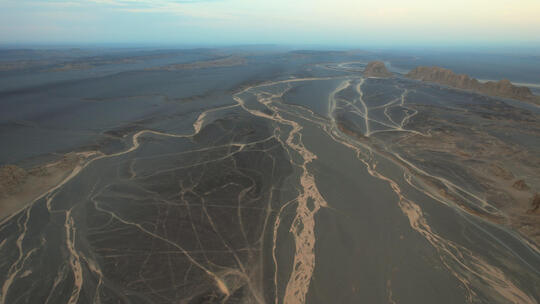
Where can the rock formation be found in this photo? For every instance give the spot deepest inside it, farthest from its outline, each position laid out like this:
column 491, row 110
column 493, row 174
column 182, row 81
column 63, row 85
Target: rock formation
column 11, row 177
column 535, row 203
column 521, row 185
column 503, row 88
column 376, row 69
column 18, row 186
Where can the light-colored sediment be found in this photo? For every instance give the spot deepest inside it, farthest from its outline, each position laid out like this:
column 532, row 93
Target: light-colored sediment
column 471, row 271
column 303, row 225
column 18, row 193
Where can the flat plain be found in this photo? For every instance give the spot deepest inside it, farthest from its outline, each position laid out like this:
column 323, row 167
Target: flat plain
column 202, row 176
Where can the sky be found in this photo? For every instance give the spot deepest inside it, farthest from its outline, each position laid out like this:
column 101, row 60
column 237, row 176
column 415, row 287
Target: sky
column 353, row 23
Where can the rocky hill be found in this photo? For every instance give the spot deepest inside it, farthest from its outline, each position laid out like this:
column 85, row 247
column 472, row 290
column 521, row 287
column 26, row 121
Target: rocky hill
column 503, row 88
column 11, row 177
column 376, row 69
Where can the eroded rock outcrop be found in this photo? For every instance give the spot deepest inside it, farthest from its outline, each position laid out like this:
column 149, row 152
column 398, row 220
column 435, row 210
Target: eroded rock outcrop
column 535, row 203
column 503, row 88
column 11, row 177
column 521, row 185
column 376, row 69
column 19, row 186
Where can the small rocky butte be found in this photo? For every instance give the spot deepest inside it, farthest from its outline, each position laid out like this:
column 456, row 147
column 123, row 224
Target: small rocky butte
column 376, row 69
